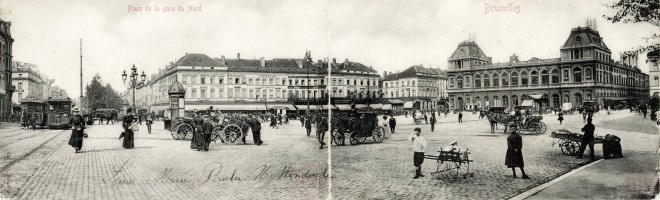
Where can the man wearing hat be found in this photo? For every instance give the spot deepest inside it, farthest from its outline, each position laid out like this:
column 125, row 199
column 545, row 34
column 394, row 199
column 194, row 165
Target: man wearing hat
column 255, row 126
column 419, row 147
column 78, row 128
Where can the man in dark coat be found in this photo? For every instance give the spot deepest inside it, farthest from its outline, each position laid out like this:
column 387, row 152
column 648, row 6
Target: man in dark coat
column 208, row 129
column 587, row 139
column 308, row 126
column 321, row 128
column 255, row 125
column 514, row 157
column 432, row 122
column 78, row 129
column 460, row 117
column 392, row 123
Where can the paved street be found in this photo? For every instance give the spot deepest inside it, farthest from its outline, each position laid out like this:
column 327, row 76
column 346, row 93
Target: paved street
column 40, row 165
column 385, row 170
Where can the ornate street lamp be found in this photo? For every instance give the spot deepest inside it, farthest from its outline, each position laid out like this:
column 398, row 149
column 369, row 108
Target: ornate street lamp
column 133, row 82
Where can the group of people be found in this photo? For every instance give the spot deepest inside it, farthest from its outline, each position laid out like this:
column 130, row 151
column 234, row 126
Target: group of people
column 77, row 122
column 29, row 121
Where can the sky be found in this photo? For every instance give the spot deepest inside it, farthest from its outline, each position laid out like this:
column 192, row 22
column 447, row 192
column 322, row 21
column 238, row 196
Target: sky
column 388, row 35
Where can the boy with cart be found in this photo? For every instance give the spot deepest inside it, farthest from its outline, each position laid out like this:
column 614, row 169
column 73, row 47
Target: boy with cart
column 419, row 147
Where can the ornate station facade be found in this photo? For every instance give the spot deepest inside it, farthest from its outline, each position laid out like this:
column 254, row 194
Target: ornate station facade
column 584, row 72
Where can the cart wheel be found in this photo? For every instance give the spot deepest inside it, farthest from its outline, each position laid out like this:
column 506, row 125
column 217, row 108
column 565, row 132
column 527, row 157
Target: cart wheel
column 336, row 137
column 362, row 139
column 534, row 128
column 576, row 148
column 378, row 134
column 464, row 169
column 453, row 171
column 232, row 133
column 217, row 135
column 543, row 127
column 174, row 134
column 570, row 148
column 354, row 138
column 184, row 131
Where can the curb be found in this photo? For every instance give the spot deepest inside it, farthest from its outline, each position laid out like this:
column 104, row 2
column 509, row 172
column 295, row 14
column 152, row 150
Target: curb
column 541, row 187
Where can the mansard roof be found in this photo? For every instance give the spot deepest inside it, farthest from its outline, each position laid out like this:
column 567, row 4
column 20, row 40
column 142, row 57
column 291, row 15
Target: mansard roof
column 585, row 36
column 198, row 59
column 468, row 49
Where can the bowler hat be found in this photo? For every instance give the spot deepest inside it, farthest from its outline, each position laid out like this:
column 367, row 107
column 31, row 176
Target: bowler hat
column 418, row 129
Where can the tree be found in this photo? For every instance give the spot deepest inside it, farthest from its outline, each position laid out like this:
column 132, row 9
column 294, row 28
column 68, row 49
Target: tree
column 99, row 96
column 638, row 11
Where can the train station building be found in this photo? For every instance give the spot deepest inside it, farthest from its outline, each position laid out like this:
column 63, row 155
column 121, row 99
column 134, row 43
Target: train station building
column 585, row 71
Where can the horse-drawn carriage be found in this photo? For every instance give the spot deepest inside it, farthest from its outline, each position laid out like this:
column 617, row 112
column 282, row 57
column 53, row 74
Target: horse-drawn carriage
column 532, row 124
column 358, row 126
column 227, row 129
column 569, row 142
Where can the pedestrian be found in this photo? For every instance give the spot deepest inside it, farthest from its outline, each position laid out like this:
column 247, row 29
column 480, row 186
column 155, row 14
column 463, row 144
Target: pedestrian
column 514, row 157
column 460, row 117
column 419, row 147
column 26, row 120
column 308, row 126
column 561, row 118
column 392, row 123
column 587, row 140
column 432, row 122
column 405, row 113
column 150, row 121
column 302, row 120
column 197, row 142
column 273, row 122
column 321, row 128
column 33, row 121
column 128, row 121
column 643, row 111
column 255, row 126
column 426, row 119
column 77, row 130
column 208, row 130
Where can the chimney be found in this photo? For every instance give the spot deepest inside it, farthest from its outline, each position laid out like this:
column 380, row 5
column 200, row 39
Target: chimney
column 238, row 56
column 346, row 61
column 300, row 64
column 384, row 74
column 263, row 62
column 334, row 61
column 223, row 60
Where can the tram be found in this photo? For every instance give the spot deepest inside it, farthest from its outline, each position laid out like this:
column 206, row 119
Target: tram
column 36, row 110
column 58, row 113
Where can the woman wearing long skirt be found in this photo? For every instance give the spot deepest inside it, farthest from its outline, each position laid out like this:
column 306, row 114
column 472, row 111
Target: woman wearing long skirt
column 78, row 128
column 514, row 157
column 198, row 143
column 127, row 120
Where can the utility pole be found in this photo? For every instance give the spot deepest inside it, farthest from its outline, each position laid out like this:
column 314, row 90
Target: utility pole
column 81, row 78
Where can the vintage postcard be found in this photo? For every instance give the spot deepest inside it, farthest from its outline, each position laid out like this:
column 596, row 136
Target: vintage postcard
column 329, row 99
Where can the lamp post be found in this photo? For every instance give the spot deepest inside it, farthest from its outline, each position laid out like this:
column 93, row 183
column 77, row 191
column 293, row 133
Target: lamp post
column 133, row 82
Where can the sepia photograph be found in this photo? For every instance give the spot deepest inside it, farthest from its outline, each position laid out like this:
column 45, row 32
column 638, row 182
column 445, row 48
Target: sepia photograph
column 329, row 99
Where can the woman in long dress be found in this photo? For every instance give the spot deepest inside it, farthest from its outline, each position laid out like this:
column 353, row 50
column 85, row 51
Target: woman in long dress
column 514, row 157
column 127, row 120
column 198, row 143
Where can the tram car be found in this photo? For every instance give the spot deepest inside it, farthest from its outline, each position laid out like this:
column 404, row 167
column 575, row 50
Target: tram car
column 58, row 113
column 36, row 110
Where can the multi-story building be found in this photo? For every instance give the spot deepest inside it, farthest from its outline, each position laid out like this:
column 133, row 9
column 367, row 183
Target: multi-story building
column 584, row 72
column 250, row 84
column 28, row 82
column 6, row 88
column 416, row 87
column 654, row 72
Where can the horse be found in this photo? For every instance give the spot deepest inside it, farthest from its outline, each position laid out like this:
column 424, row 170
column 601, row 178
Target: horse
column 502, row 118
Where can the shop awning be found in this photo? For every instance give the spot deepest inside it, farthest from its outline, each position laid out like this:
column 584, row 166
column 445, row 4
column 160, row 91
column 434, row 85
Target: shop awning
column 228, row 107
column 395, row 101
column 311, row 107
column 343, row 106
column 408, row 104
column 536, row 96
column 528, row 102
column 358, row 106
column 387, row 107
column 325, row 107
column 376, row 106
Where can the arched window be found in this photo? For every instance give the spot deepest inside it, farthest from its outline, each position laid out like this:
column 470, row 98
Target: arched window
column 467, row 82
column 496, row 80
column 459, row 81
column 565, row 75
column 555, row 76
column 545, row 77
column 505, row 101
column 451, row 82
column 514, row 100
column 486, row 80
column 535, row 78
column 587, row 71
column 524, row 78
column 577, row 75
column 578, row 99
column 555, row 100
column 505, row 79
column 477, row 81
column 514, row 78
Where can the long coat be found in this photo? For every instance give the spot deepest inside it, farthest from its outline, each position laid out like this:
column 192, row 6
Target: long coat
column 514, row 158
